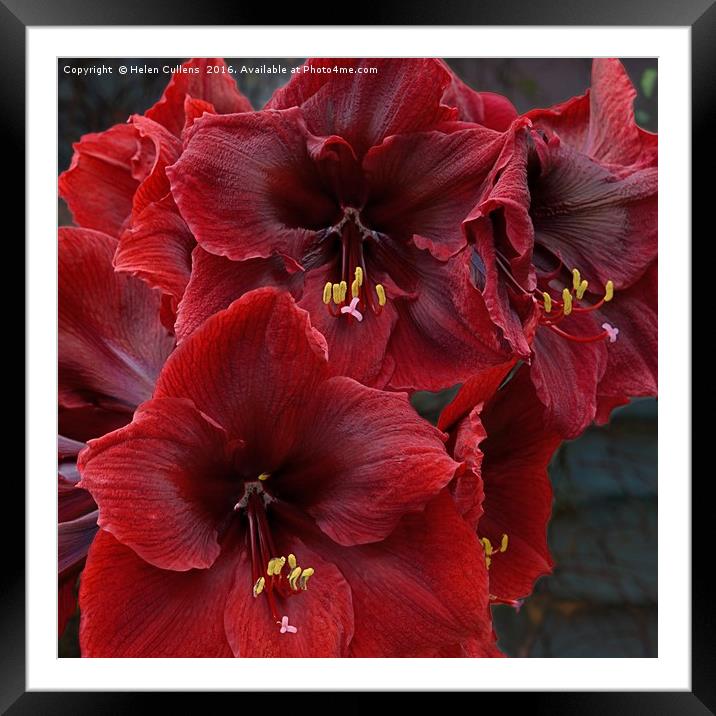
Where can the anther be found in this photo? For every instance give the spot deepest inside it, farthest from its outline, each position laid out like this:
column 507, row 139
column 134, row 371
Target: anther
column 293, row 577
column 609, row 291
column 567, row 301
column 359, row 275
column 547, row 301
column 308, row 572
column 259, row 586
column 336, row 293
column 275, row 566
column 344, row 290
column 264, row 476
column 355, row 289
column 327, row 293
column 576, row 279
column 292, row 561
column 381, row 294
column 581, row 289
column 503, row 543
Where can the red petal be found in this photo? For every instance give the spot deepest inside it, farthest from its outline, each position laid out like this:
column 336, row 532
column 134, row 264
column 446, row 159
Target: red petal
column 423, row 588
column 475, row 392
column 247, row 187
column 355, row 349
column 363, row 459
column 66, row 602
column 601, row 123
column 423, row 185
column 632, row 367
column 518, row 493
column 162, row 484
column 444, row 334
column 323, row 614
column 74, row 538
column 251, row 368
column 131, row 609
column 364, row 108
column 471, row 649
column 217, row 88
column 157, row 248
column 604, row 225
column 500, row 226
column 565, row 375
column 486, row 108
column 166, row 149
column 99, row 185
column 216, row 282
column 111, row 341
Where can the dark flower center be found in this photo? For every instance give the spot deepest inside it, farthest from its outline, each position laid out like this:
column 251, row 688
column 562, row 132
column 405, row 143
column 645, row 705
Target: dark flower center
column 353, row 292
column 268, row 575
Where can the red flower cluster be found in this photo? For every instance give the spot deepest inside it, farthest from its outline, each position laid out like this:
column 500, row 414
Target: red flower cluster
column 244, row 293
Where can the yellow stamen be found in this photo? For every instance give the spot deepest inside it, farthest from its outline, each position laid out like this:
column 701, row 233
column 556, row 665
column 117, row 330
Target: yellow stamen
column 487, row 545
column 355, row 288
column 576, row 279
column 567, row 300
column 547, row 301
column 293, row 577
column 609, row 291
column 359, row 275
column 488, row 562
column 381, row 294
column 581, row 289
column 344, row 290
column 336, row 293
column 503, row 544
column 275, row 566
column 259, row 586
column 308, row 572
column 292, row 561
column 327, row 293
column 264, row 476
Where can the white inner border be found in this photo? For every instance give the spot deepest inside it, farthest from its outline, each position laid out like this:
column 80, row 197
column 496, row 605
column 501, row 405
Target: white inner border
column 671, row 670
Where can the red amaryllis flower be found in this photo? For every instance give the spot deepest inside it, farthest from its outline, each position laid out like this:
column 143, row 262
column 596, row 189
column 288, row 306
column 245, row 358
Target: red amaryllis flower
column 502, row 487
column 348, row 191
column 257, row 506
column 111, row 346
column 567, row 229
column 116, row 182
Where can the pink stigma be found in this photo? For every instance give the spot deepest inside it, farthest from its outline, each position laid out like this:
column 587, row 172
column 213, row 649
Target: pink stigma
column 612, row 332
column 352, row 310
column 286, row 627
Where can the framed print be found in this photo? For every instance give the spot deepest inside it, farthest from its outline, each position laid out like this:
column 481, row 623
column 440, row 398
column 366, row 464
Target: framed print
column 350, row 355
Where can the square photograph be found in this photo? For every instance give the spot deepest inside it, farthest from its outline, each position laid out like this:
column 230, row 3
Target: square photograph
column 357, row 357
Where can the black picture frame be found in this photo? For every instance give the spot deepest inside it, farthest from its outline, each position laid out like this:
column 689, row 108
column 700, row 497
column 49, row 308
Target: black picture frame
column 17, row 15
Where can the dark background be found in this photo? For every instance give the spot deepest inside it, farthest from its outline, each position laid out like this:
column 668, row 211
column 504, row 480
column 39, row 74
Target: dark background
column 601, row 600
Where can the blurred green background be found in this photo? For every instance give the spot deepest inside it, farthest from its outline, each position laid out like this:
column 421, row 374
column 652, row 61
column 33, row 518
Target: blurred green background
column 601, row 600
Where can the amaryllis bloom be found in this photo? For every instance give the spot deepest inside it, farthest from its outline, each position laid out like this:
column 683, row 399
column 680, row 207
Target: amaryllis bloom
column 566, row 245
column 257, row 506
column 111, row 346
column 348, row 192
column 116, row 182
column 502, row 486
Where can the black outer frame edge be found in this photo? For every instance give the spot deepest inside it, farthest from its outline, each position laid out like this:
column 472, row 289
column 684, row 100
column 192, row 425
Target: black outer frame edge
column 700, row 14
column 703, row 141
column 388, row 12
